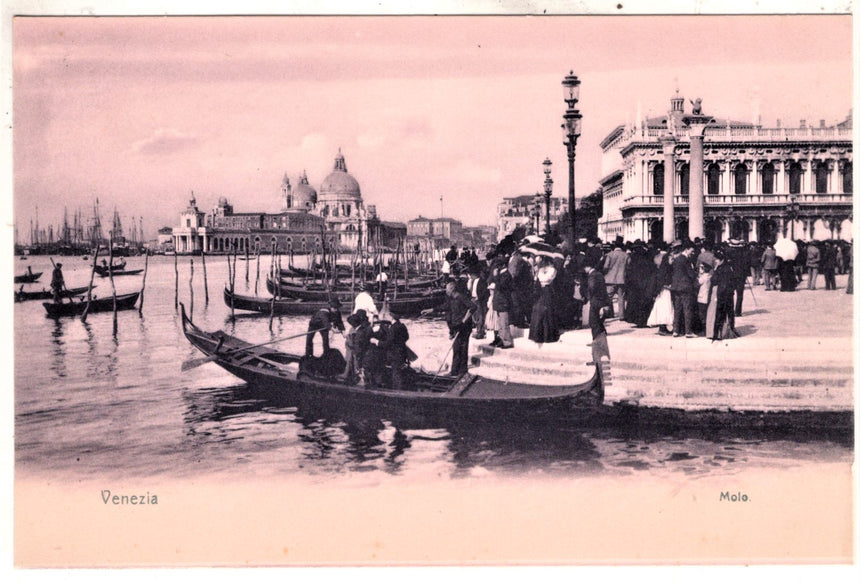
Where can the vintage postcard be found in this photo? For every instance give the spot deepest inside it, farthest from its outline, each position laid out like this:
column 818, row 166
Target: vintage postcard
column 524, row 287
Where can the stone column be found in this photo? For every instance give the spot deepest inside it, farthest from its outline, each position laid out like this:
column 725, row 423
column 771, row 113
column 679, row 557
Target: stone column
column 668, row 188
column 753, row 222
column 697, row 185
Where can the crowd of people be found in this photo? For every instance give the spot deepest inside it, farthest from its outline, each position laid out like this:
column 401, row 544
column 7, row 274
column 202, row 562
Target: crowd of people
column 376, row 354
column 683, row 289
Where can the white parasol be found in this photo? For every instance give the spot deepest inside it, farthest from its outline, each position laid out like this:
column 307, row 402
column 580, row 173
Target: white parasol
column 542, row 249
column 785, row 249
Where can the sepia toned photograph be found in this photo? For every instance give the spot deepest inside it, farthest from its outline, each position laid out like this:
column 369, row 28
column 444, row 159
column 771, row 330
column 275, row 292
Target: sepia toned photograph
column 385, row 290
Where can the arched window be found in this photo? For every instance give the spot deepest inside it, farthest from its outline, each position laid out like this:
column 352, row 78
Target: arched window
column 685, row 179
column 767, row 178
column 847, row 180
column 794, row 175
column 713, row 180
column 741, row 173
column 821, row 178
column 658, row 180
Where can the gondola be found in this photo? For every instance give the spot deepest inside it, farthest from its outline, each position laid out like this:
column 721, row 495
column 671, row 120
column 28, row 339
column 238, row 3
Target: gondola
column 428, row 395
column 43, row 295
column 106, row 274
column 27, row 278
column 421, row 282
column 102, row 269
column 409, row 307
column 319, row 292
column 72, row 308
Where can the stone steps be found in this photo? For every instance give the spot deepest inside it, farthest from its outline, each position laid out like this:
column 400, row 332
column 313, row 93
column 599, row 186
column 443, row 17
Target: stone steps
column 690, row 374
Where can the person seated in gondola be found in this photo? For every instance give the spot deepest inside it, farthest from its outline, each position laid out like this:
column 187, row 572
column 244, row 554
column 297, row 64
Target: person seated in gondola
column 357, row 341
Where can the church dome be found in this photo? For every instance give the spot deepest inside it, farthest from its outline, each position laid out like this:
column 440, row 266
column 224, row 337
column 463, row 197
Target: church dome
column 304, row 195
column 339, row 184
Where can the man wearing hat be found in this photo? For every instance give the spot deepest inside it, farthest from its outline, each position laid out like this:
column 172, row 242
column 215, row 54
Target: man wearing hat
column 459, row 318
column 597, row 297
column 683, row 291
column 813, row 260
column 321, row 322
column 356, row 341
column 57, row 282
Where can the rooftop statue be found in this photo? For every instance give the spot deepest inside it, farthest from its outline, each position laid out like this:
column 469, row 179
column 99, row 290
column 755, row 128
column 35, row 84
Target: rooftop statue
column 697, row 106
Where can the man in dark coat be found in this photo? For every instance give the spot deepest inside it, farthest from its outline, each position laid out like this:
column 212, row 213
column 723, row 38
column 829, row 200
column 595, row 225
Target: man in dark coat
column 57, row 282
column 321, row 322
column 502, row 301
column 598, row 298
column 396, row 352
column 738, row 257
column 459, row 319
column 683, row 289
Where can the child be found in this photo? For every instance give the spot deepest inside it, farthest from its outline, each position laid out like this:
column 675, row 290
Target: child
column 704, row 296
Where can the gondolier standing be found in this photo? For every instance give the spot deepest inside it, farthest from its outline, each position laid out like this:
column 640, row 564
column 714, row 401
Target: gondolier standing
column 57, row 282
column 322, row 321
column 460, row 311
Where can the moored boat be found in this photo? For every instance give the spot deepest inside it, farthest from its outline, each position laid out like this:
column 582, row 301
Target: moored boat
column 445, row 396
column 27, row 278
column 408, row 307
column 22, row 295
column 320, row 293
column 104, row 269
column 72, row 308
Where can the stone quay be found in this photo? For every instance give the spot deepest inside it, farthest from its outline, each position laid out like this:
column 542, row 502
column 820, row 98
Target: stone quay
column 795, row 353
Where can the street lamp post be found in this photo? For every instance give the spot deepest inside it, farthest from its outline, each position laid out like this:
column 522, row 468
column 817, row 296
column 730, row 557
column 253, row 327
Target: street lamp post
column 572, row 128
column 792, row 210
column 547, row 189
column 536, row 212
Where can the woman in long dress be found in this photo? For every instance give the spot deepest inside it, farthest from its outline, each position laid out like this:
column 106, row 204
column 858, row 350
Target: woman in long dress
column 662, row 313
column 543, row 327
column 720, row 323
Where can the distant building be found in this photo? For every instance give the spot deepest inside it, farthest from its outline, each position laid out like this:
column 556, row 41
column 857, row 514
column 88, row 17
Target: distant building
column 529, row 211
column 751, row 177
column 337, row 213
column 434, row 233
column 224, row 230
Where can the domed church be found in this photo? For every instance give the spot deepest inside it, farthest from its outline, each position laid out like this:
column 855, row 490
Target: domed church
column 340, row 204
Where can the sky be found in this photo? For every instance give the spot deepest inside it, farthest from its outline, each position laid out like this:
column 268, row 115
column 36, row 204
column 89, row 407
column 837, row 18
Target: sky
column 141, row 111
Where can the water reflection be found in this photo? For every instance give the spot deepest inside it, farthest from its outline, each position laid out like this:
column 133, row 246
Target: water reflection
column 329, row 438
column 58, row 353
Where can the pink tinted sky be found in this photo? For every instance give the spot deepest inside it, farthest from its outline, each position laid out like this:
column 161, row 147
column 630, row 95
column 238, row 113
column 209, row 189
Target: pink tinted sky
column 140, row 111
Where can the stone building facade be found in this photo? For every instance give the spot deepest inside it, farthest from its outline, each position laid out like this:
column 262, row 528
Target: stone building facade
column 337, row 213
column 754, row 183
column 529, row 211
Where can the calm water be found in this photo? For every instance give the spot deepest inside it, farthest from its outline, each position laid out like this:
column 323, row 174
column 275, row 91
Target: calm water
column 92, row 403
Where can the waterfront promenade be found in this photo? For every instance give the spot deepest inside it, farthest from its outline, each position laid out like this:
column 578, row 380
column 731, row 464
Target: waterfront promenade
column 795, row 353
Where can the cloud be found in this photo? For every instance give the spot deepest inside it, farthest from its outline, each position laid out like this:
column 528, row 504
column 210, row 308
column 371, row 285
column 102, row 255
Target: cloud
column 164, row 141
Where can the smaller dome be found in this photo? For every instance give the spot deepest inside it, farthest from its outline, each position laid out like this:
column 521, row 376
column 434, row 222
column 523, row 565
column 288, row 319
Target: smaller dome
column 304, row 195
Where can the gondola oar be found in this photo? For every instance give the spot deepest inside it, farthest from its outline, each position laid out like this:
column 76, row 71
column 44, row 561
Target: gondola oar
column 192, row 363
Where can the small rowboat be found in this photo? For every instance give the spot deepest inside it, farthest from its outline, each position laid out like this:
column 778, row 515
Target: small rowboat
column 409, row 307
column 27, row 278
column 44, row 295
column 73, row 308
column 428, row 395
column 106, row 274
column 103, row 269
